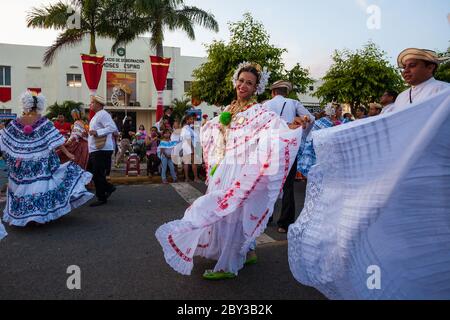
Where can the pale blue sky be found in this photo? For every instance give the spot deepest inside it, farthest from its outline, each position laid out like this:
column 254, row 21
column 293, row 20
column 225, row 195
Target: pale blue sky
column 310, row 30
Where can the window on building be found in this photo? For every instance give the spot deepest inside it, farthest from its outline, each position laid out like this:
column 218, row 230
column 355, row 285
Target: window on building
column 311, row 88
column 5, row 76
column 169, row 84
column 74, row 80
column 187, row 86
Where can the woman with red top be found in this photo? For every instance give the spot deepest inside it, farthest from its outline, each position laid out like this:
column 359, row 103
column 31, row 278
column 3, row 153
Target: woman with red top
column 62, row 126
column 77, row 144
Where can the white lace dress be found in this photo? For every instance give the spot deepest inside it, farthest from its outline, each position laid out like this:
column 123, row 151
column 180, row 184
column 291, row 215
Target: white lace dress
column 223, row 224
column 378, row 199
column 40, row 189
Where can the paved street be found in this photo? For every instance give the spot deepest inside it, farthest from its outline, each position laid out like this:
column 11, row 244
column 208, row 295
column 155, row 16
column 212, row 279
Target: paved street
column 119, row 256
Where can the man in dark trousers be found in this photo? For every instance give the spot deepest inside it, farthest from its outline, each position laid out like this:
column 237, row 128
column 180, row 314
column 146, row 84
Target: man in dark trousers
column 288, row 110
column 101, row 148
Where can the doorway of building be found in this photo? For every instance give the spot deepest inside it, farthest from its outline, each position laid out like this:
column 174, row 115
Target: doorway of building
column 121, row 117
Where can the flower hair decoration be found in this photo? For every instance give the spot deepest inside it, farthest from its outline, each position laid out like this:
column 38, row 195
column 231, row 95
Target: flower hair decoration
column 30, row 101
column 264, row 76
column 330, row 109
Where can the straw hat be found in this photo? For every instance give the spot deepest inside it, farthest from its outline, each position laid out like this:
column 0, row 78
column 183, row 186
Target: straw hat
column 282, row 84
column 419, row 54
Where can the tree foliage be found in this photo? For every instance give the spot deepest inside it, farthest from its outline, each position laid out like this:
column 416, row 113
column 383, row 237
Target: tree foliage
column 443, row 72
column 159, row 16
column 249, row 42
column 96, row 18
column 64, row 108
column 359, row 77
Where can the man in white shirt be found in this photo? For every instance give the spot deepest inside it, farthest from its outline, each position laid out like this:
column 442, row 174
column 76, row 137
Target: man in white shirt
column 419, row 67
column 288, row 110
column 387, row 100
column 101, row 148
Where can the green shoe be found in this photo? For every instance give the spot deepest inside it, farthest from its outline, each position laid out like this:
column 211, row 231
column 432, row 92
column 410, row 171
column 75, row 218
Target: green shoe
column 251, row 261
column 211, row 275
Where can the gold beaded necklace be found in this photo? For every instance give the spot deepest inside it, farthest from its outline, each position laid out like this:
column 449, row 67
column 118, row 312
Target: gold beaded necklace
column 238, row 107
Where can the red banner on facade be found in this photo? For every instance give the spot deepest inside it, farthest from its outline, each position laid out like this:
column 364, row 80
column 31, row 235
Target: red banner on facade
column 160, row 69
column 92, row 67
column 5, row 94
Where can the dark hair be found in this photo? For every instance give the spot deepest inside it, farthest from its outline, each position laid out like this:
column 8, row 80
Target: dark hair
column 281, row 91
column 348, row 115
column 362, row 109
column 154, row 128
column 427, row 63
column 392, row 93
column 166, row 130
column 142, row 127
column 185, row 119
column 252, row 70
column 35, row 102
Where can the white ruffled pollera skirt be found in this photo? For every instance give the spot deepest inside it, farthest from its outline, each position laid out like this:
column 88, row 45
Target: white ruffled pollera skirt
column 224, row 223
column 376, row 220
column 42, row 201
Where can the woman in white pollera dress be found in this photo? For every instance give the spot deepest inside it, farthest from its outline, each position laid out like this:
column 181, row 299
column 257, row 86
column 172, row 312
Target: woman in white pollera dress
column 248, row 152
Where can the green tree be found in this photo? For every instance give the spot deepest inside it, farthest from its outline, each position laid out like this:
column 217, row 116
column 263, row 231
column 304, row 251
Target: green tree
column 443, row 72
column 249, row 42
column 157, row 16
column 65, row 109
column 96, row 18
column 359, row 77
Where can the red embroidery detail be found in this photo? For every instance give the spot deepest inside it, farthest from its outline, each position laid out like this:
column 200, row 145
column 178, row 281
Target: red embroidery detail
column 287, row 159
column 177, row 250
column 257, row 180
column 261, row 221
column 236, row 145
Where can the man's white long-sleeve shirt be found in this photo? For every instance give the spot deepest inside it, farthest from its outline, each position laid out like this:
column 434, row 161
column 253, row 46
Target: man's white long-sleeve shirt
column 419, row 93
column 103, row 123
column 292, row 108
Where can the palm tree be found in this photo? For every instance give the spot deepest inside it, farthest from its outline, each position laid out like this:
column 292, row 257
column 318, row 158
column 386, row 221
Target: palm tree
column 65, row 109
column 97, row 18
column 157, row 16
column 180, row 107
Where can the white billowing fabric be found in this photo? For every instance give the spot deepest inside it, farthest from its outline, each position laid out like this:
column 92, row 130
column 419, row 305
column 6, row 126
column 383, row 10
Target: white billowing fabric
column 103, row 123
column 2, row 231
column 40, row 189
column 419, row 93
column 223, row 224
column 388, row 108
column 379, row 196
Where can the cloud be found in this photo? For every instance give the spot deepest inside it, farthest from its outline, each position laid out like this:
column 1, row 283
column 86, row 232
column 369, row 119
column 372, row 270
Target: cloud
column 362, row 4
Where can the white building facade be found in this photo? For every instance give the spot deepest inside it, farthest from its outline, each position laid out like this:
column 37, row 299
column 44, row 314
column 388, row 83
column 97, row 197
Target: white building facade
column 21, row 68
column 308, row 99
